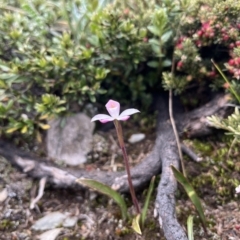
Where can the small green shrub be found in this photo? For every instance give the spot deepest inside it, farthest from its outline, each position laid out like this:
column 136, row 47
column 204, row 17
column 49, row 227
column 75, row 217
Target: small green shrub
column 57, row 55
column 209, row 31
column 43, row 69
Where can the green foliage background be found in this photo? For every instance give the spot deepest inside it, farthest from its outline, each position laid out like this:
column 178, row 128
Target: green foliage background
column 55, row 56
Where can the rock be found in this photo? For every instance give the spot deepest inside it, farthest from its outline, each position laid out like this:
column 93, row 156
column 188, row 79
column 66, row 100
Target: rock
column 70, row 221
column 137, row 137
column 70, row 139
column 50, row 221
column 19, row 188
column 50, row 235
column 3, row 195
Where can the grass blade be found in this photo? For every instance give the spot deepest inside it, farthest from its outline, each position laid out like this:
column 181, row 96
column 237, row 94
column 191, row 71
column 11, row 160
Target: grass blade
column 147, row 201
column 226, row 80
column 106, row 190
column 190, row 227
column 191, row 194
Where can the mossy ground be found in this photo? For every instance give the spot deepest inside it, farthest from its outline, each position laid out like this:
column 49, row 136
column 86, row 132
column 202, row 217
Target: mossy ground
column 219, row 172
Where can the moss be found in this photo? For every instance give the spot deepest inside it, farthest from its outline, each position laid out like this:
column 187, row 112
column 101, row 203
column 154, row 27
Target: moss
column 6, row 224
column 218, row 173
column 203, row 147
column 123, row 231
column 150, row 225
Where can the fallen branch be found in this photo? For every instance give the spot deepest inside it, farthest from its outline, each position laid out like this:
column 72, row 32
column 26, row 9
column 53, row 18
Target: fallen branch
column 163, row 155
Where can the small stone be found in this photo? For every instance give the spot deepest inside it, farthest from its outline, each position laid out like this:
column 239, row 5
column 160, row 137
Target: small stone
column 24, row 235
column 8, row 213
column 50, row 221
column 50, row 235
column 92, row 196
column 137, row 137
column 70, row 222
column 3, row 195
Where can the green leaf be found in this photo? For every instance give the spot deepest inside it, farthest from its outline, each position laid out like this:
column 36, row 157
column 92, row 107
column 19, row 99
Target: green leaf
column 101, row 73
column 4, row 68
column 191, row 194
column 3, row 110
column 190, row 227
column 154, row 41
column 24, row 129
column 166, row 63
column 92, row 98
column 160, row 20
column 29, row 9
column 44, row 126
column 10, row 77
column 10, row 104
column 154, row 30
column 94, row 40
column 157, row 50
column 166, row 36
column 135, row 224
column 147, row 201
column 2, row 84
column 13, row 129
column 106, row 190
column 153, row 64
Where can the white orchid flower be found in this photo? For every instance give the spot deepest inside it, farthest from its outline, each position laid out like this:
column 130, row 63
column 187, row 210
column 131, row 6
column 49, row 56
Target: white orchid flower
column 113, row 108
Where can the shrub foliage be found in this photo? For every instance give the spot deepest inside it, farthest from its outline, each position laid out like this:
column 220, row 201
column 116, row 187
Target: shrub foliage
column 57, row 55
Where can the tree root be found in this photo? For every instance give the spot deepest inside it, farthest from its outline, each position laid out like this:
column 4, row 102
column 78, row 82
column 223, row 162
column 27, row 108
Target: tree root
column 163, row 155
column 42, row 184
column 190, row 153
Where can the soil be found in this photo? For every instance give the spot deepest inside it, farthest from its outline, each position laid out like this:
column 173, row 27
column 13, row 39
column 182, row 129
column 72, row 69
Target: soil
column 99, row 217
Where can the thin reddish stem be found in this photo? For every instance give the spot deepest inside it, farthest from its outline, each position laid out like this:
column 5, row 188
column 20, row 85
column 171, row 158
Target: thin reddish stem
column 126, row 161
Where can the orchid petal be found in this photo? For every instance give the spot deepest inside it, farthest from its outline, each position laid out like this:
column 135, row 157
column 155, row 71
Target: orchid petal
column 128, row 112
column 106, row 120
column 123, row 118
column 113, row 108
column 102, row 118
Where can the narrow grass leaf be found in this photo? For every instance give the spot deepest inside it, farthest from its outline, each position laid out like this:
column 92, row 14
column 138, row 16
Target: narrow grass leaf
column 147, row 201
column 190, row 227
column 191, row 194
column 106, row 190
column 227, row 81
